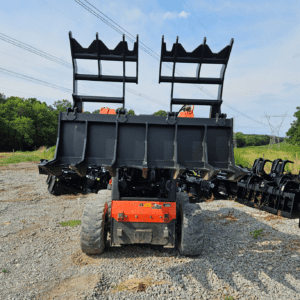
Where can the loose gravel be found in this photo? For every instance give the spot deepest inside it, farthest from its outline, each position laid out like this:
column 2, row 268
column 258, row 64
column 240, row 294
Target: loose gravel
column 43, row 260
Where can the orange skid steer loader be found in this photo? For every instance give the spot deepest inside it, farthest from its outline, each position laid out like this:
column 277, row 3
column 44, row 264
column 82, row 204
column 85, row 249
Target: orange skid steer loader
column 145, row 155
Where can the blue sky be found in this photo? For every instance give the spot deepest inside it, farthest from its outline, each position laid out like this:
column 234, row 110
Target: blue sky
column 262, row 74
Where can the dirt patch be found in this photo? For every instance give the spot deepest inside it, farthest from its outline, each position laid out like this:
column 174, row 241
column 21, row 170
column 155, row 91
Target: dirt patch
column 81, row 259
column 137, row 285
column 293, row 245
column 6, row 223
column 228, row 217
column 272, row 217
column 71, row 288
column 27, row 166
column 238, row 205
column 29, row 230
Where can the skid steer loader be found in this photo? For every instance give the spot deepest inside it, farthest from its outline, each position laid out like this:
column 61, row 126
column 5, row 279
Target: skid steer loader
column 145, row 155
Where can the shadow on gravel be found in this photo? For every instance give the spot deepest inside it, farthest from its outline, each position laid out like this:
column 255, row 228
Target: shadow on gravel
column 231, row 252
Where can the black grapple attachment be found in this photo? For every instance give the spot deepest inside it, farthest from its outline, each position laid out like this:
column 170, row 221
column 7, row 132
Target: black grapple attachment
column 99, row 52
column 201, row 55
column 277, row 192
column 146, row 142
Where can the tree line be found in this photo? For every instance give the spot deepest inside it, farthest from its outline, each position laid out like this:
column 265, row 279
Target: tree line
column 27, row 124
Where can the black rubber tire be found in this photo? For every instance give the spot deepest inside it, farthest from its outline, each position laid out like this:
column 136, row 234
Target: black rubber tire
column 190, row 229
column 93, row 223
column 181, row 197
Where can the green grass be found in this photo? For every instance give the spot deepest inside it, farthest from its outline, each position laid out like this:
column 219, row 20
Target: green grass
column 243, row 156
column 246, row 156
column 256, row 233
column 4, row 271
column 70, row 223
column 19, row 156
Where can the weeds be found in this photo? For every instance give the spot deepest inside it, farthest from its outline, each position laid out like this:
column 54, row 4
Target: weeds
column 256, row 233
column 229, row 298
column 70, row 223
column 19, row 156
column 246, row 156
column 4, row 271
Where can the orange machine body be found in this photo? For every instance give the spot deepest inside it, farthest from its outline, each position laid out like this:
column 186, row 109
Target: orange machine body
column 143, row 211
column 107, row 111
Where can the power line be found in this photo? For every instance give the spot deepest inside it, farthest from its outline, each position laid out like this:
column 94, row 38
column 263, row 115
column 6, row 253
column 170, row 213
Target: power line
column 195, row 17
column 152, row 54
column 2, row 88
column 67, row 64
column 28, row 78
column 33, row 50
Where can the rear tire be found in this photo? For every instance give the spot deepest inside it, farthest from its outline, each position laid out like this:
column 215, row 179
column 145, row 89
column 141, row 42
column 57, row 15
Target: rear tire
column 190, row 229
column 94, row 223
column 181, row 197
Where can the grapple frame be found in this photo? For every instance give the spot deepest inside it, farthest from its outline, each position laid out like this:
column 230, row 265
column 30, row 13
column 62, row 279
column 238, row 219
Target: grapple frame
column 145, row 142
column 275, row 192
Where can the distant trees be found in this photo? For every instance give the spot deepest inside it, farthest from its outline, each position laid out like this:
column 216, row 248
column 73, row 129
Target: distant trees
column 294, row 132
column 247, row 140
column 62, row 105
column 2, row 96
column 26, row 123
column 162, row 113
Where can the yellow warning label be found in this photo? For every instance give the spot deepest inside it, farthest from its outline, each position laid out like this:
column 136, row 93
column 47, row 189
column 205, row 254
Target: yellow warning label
column 147, row 205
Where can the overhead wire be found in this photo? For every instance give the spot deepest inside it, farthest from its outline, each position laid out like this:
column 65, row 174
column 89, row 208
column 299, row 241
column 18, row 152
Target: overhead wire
column 195, row 17
column 66, row 64
column 150, row 52
column 35, row 80
column 22, row 93
column 155, row 55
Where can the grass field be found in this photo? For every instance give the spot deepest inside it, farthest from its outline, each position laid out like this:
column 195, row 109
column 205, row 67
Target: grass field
column 243, row 156
column 19, row 156
column 246, row 156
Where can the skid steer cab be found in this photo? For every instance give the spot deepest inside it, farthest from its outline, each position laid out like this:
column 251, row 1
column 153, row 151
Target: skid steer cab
column 145, row 155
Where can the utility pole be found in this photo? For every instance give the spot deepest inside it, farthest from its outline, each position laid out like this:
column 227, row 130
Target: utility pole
column 274, row 129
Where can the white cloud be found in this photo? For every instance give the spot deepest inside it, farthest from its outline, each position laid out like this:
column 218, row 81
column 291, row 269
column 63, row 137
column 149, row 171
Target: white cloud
column 183, row 14
column 170, row 15
column 174, row 15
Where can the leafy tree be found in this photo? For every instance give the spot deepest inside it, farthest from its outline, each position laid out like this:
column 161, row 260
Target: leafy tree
column 131, row 112
column 2, row 96
column 97, row 111
column 86, row 112
column 246, row 140
column 294, row 132
column 162, row 113
column 26, row 124
column 62, row 105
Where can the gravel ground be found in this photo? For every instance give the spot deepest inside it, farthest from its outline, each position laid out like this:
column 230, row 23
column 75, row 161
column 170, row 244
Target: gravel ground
column 43, row 260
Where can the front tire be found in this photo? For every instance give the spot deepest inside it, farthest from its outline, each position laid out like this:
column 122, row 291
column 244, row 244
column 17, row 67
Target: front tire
column 96, row 215
column 190, row 229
